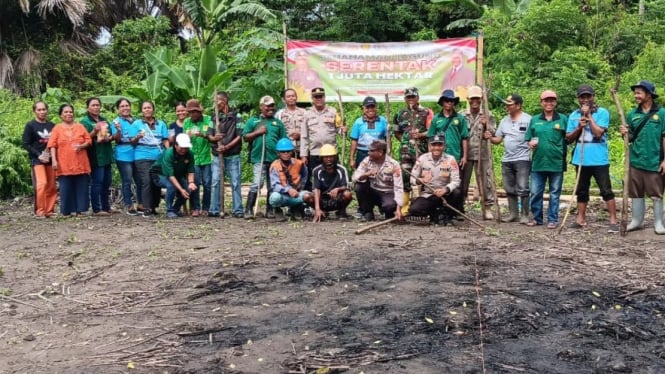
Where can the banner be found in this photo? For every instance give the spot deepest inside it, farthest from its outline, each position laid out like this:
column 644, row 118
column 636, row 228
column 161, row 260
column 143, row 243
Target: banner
column 360, row 69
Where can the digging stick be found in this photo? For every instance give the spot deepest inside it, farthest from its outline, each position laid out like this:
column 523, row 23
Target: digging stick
column 220, row 158
column 577, row 182
column 481, row 178
column 388, row 133
column 490, row 160
column 443, row 200
column 375, row 225
column 341, row 113
column 626, row 159
column 258, row 191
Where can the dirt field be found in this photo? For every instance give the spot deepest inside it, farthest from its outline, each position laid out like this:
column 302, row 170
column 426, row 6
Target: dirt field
column 203, row 295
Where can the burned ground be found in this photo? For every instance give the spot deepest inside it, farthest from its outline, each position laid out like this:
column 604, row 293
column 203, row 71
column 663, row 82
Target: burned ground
column 129, row 294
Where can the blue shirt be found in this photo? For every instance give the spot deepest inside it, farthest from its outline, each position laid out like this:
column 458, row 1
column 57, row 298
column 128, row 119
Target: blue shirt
column 149, row 146
column 365, row 136
column 596, row 152
column 124, row 150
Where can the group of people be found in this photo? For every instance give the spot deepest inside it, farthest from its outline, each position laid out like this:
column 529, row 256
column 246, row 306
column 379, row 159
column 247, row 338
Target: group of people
column 295, row 150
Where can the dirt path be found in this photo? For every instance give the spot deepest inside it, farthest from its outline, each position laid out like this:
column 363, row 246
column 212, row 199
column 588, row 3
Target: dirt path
column 129, row 294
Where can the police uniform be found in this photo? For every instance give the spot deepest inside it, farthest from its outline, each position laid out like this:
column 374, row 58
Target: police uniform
column 385, row 190
column 293, row 121
column 318, row 128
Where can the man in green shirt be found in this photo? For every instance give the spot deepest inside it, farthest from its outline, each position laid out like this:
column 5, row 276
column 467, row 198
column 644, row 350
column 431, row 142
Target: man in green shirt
column 196, row 126
column 646, row 133
column 262, row 133
column 454, row 127
column 174, row 170
column 547, row 139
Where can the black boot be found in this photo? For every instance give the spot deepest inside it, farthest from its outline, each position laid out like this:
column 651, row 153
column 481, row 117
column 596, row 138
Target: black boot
column 270, row 213
column 298, row 213
column 279, row 215
column 249, row 207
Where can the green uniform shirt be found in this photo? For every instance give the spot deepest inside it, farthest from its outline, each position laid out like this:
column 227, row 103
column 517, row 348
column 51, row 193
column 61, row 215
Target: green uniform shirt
column 101, row 154
column 171, row 164
column 200, row 145
column 550, row 154
column 645, row 150
column 276, row 131
column 456, row 130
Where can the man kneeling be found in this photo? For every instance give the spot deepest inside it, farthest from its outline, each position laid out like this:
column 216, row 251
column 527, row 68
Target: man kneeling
column 330, row 185
column 437, row 174
column 288, row 176
column 378, row 181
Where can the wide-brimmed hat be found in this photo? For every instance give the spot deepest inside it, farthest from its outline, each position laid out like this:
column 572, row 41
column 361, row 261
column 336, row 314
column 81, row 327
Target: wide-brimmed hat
column 193, row 105
column 647, row 86
column 448, row 95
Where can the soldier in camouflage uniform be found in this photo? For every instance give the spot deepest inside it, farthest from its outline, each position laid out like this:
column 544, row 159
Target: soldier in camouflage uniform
column 321, row 125
column 477, row 123
column 292, row 117
column 411, row 124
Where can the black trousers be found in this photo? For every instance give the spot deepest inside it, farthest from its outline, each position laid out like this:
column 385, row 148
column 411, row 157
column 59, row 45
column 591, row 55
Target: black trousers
column 429, row 206
column 368, row 198
column 312, row 162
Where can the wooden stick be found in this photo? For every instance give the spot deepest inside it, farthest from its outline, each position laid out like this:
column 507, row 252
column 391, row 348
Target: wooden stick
column 341, row 113
column 285, row 57
column 258, row 190
column 577, row 183
column 443, row 200
column 373, row 226
column 480, row 80
column 388, row 135
column 220, row 158
column 486, row 110
column 626, row 159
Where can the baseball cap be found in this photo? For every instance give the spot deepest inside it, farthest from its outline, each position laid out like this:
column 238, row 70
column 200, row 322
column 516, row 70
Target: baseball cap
column 513, row 99
column 369, row 100
column 182, row 140
column 474, row 92
column 437, row 139
column 585, row 89
column 548, row 94
column 267, row 100
column 318, row 91
column 193, row 105
column 411, row 91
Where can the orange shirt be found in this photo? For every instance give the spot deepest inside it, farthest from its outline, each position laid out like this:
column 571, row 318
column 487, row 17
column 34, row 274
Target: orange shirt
column 63, row 139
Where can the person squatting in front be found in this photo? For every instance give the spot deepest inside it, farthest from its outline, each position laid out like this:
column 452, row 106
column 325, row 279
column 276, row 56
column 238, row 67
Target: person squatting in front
column 330, row 184
column 288, row 176
column 378, row 181
column 174, row 170
column 438, row 176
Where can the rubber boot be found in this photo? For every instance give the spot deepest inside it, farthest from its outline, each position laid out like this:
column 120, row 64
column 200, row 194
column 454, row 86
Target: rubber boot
column 514, row 210
column 270, row 212
column 658, row 217
column 249, row 207
column 406, row 202
column 637, row 212
column 524, row 219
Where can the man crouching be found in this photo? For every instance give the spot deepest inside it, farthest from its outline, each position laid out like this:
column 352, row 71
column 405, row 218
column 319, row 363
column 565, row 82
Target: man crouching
column 288, row 176
column 437, row 174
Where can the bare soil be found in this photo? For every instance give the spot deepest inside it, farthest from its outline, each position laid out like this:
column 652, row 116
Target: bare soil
column 204, row 295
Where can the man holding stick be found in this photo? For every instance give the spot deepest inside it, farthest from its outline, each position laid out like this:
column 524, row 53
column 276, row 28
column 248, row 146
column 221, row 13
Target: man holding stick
column 646, row 132
column 588, row 127
column 477, row 124
column 440, row 171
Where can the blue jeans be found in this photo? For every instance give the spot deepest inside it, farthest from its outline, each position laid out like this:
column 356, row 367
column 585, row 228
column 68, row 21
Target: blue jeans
column 100, row 185
column 74, row 194
column 256, row 183
column 127, row 175
column 202, row 176
column 174, row 200
column 538, row 179
column 232, row 170
column 278, row 200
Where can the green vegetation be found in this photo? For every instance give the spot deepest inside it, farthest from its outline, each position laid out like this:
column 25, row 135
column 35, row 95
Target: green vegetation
column 197, row 45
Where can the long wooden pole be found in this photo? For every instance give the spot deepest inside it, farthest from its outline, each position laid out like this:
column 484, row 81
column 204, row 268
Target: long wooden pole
column 258, row 191
column 375, row 225
column 285, row 57
column 341, row 113
column 577, row 183
column 481, row 178
column 388, row 133
column 626, row 159
column 220, row 157
column 480, row 42
column 490, row 160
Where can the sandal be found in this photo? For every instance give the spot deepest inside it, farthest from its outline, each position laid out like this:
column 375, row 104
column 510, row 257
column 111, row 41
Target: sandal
column 552, row 225
column 533, row 223
column 577, row 225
